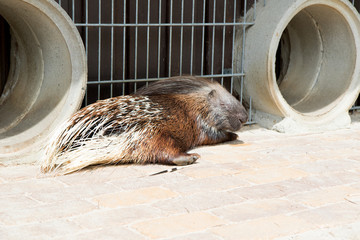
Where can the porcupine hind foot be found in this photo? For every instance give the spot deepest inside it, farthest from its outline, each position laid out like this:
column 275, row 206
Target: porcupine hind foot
column 185, row 159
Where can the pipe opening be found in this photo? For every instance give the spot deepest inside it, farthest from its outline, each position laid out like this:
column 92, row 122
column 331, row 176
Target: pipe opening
column 282, row 57
column 315, row 60
column 46, row 75
column 4, row 53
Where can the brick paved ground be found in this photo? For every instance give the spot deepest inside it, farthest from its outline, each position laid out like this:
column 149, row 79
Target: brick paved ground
column 270, row 186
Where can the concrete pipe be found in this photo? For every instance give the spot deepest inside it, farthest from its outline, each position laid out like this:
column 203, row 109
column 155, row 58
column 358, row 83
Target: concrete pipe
column 47, row 77
column 301, row 63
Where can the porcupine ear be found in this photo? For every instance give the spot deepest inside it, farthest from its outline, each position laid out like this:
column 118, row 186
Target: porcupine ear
column 212, row 94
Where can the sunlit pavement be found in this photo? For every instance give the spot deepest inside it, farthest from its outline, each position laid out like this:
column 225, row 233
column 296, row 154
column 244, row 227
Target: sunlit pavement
column 266, row 185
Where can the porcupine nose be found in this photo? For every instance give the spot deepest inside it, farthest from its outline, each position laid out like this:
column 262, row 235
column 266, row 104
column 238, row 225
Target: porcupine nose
column 243, row 115
column 238, row 118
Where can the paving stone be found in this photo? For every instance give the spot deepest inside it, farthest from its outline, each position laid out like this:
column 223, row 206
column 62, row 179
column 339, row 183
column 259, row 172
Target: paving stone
column 293, row 186
column 354, row 155
column 108, row 233
column 263, row 191
column 148, row 169
column 45, row 212
column 29, row 186
column 197, row 236
column 198, row 202
column 257, row 209
column 313, row 182
column 210, row 184
column 99, row 175
column 264, row 228
column 106, row 218
column 353, row 198
column 332, row 179
column 134, row 197
column 267, row 161
column 207, row 171
column 327, row 166
column 332, row 215
column 9, row 203
column 348, row 232
column 309, row 146
column 269, row 175
column 324, row 196
column 19, row 172
column 79, row 191
column 230, row 156
column 177, row 225
column 318, row 234
column 132, row 183
column 38, row 231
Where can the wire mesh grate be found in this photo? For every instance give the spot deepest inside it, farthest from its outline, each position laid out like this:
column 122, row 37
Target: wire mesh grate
column 130, row 43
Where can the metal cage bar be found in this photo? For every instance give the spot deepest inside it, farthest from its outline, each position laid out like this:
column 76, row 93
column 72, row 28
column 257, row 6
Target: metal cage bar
column 130, row 43
column 187, row 37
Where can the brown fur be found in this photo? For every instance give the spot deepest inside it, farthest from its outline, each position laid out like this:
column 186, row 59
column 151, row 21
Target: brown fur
column 158, row 124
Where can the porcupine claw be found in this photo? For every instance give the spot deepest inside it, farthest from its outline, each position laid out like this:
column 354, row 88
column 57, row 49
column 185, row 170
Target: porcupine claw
column 186, row 159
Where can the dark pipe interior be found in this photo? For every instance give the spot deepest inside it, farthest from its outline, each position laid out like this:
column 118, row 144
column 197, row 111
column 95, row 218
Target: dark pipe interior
column 4, row 52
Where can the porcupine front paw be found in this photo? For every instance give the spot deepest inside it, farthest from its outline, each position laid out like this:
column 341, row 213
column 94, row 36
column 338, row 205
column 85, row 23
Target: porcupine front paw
column 232, row 136
column 186, row 159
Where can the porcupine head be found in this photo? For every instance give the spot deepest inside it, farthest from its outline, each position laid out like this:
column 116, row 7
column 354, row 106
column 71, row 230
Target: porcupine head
column 117, row 130
column 220, row 114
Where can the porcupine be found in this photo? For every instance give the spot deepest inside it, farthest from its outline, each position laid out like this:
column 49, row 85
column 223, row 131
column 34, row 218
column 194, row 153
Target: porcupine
column 157, row 124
